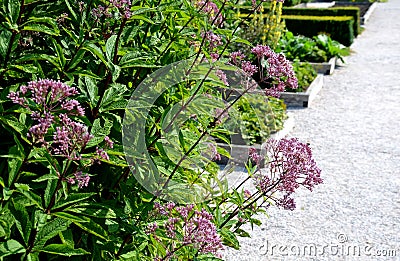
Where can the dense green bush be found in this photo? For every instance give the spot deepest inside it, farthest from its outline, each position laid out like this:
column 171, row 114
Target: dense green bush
column 333, row 11
column 339, row 28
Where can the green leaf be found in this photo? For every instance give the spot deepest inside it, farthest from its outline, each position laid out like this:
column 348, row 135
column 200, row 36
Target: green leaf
column 93, row 228
column 110, row 48
column 229, row 238
column 64, row 250
column 12, row 9
column 5, row 37
column 71, row 199
column 43, row 28
column 76, row 59
column 45, row 177
column 112, row 94
column 96, row 51
column 71, row 217
column 25, row 190
column 60, row 53
column 50, row 230
column 22, row 221
column 50, row 190
column 11, row 247
column 99, row 131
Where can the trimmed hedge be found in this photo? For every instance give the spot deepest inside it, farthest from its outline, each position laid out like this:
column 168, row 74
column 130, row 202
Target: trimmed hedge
column 339, row 28
column 333, row 11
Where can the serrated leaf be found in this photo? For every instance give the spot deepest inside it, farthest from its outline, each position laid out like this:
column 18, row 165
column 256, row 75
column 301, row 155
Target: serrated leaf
column 112, row 94
column 99, row 131
column 60, row 53
column 22, row 221
column 11, row 247
column 12, row 9
column 71, row 217
column 110, row 48
column 229, row 238
column 43, row 28
column 5, row 37
column 50, row 190
column 76, row 59
column 93, row 228
column 72, row 198
column 96, row 51
column 64, row 250
column 50, row 230
column 45, row 177
column 117, row 105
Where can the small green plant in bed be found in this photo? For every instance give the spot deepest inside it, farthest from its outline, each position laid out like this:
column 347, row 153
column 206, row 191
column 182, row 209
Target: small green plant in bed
column 260, row 117
column 305, row 74
column 318, row 49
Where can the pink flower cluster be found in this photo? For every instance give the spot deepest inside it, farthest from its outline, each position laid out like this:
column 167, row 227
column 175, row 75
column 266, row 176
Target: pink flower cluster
column 81, row 179
column 212, row 43
column 195, row 226
column 239, row 59
column 49, row 96
column 279, row 73
column 52, row 110
column 123, row 8
column 290, row 165
column 211, row 9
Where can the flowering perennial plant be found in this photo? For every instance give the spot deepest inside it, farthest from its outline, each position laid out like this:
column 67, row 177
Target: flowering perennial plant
column 56, row 201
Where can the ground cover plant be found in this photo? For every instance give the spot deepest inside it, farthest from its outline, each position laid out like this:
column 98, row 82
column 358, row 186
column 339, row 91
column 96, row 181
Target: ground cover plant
column 305, row 75
column 109, row 112
column 319, row 48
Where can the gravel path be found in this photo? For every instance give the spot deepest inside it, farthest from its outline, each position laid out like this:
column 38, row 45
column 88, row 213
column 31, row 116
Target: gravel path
column 354, row 130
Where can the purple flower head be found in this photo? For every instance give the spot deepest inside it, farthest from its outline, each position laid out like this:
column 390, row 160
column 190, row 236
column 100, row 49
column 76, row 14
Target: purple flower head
column 211, row 9
column 248, row 68
column 151, row 228
column 290, row 165
column 214, row 153
column 254, row 156
column 286, row 203
column 82, row 179
column 262, row 51
column 102, row 154
column 202, row 233
column 222, row 76
column 109, row 142
column 236, row 58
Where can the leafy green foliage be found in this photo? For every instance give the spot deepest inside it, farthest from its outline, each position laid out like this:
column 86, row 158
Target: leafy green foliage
column 260, row 117
column 319, row 49
column 305, row 75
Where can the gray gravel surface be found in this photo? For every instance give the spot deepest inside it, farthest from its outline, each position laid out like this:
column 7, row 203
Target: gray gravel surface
column 354, row 130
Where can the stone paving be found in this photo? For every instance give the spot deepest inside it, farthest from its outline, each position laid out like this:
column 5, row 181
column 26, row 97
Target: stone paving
column 354, row 129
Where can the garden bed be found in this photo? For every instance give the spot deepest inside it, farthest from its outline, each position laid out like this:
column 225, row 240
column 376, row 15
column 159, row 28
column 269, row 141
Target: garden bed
column 303, row 99
column 326, row 68
column 239, row 150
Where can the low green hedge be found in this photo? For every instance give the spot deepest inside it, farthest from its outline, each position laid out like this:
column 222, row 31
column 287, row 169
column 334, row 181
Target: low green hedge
column 333, row 11
column 339, row 28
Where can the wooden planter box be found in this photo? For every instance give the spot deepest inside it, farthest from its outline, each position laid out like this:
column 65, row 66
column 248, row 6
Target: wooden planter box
column 303, row 99
column 325, row 68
